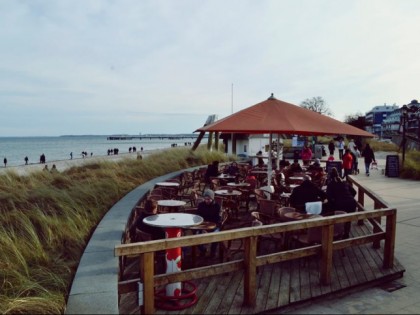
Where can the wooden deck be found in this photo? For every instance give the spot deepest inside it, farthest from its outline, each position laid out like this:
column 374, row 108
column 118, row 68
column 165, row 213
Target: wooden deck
column 282, row 284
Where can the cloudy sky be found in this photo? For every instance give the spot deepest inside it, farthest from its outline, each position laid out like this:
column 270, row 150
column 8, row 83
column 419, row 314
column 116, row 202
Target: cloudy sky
column 163, row 66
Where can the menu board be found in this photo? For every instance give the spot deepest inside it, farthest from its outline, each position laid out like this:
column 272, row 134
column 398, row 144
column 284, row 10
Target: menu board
column 392, row 167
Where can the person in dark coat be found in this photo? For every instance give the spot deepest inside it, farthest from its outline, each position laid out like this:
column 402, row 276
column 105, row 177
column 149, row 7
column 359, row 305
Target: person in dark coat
column 369, row 156
column 341, row 197
column 331, row 147
column 306, row 192
column 209, row 210
column 212, row 171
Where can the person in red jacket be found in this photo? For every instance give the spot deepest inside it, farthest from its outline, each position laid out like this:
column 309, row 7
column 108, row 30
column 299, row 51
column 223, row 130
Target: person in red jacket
column 347, row 163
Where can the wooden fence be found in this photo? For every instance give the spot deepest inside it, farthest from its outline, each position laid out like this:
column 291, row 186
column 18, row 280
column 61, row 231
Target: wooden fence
column 251, row 260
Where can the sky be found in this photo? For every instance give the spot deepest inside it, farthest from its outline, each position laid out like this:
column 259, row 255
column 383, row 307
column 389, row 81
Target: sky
column 162, row 66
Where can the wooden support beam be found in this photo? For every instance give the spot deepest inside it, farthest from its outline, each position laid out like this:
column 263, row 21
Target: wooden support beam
column 326, row 253
column 389, row 247
column 146, row 273
column 250, row 275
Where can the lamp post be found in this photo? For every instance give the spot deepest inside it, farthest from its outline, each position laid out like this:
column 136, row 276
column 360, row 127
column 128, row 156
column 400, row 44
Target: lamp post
column 404, row 114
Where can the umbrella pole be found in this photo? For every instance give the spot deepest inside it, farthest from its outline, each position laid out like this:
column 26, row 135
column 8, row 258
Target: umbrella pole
column 269, row 164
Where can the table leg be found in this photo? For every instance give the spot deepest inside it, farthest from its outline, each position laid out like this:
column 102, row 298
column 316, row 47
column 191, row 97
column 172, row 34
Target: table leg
column 173, row 262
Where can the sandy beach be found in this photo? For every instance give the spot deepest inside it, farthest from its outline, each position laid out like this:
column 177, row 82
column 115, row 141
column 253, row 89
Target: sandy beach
column 62, row 165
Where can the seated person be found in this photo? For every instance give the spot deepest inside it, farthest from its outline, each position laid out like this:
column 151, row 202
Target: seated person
column 233, row 169
column 341, row 197
column 150, row 208
column 306, row 192
column 293, row 168
column 209, row 210
column 212, row 171
column 260, row 159
column 315, row 166
column 317, row 173
column 284, row 163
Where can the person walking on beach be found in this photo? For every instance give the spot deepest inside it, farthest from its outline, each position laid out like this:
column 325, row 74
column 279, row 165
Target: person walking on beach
column 71, row 155
column 5, row 162
column 26, row 160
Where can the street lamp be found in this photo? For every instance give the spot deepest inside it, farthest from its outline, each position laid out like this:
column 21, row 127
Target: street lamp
column 404, row 114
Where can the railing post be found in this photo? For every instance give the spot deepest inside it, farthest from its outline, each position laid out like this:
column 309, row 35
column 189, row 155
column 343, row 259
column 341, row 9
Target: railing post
column 377, row 244
column 147, row 273
column 389, row 247
column 250, row 276
column 326, row 253
column 361, row 200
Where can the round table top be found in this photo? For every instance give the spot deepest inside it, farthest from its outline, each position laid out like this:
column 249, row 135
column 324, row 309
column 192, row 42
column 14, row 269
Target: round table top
column 171, row 203
column 239, row 184
column 225, row 192
column 173, row 220
column 293, row 186
column 296, row 177
column 205, row 225
column 167, row 184
column 285, row 195
column 297, row 215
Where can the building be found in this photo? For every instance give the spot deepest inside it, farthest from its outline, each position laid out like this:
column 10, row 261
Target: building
column 391, row 124
column 376, row 116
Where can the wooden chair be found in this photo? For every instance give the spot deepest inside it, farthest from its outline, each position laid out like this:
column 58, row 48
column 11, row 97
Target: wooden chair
column 263, row 219
column 268, row 207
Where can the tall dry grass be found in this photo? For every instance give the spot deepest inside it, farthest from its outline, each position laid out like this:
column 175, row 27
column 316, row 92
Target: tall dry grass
column 46, row 220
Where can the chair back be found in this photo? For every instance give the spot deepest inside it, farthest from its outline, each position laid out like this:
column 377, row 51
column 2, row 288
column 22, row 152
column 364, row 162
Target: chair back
column 339, row 227
column 268, row 207
column 142, row 236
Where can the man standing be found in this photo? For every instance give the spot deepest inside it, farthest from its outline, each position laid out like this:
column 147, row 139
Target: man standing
column 5, row 162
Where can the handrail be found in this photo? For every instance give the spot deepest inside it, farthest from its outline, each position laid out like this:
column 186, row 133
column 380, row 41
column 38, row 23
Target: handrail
column 250, row 262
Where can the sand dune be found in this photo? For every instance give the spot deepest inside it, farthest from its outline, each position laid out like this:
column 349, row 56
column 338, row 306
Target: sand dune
column 62, row 165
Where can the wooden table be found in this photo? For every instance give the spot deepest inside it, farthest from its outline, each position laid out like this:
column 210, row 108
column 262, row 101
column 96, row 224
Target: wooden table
column 173, row 224
column 225, row 192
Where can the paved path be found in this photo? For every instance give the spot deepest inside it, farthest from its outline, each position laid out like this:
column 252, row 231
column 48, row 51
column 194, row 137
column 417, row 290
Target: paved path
column 405, row 196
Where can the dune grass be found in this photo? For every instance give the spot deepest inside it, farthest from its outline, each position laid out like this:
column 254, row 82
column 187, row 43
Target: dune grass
column 46, row 220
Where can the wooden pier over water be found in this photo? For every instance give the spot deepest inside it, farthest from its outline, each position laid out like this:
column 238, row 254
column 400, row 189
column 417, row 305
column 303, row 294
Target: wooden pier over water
column 154, row 137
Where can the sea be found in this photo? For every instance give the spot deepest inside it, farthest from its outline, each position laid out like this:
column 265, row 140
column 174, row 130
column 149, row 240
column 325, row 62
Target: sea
column 15, row 149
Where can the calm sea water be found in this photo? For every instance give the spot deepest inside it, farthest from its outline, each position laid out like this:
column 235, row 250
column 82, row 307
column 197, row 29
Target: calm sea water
column 58, row 148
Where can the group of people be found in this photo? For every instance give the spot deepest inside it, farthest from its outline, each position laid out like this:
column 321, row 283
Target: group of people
column 338, row 196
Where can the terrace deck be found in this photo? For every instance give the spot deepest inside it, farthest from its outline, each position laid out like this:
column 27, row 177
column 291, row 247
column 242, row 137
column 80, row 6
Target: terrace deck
column 284, row 284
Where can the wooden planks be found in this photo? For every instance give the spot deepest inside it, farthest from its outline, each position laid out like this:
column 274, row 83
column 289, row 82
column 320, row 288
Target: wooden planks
column 286, row 283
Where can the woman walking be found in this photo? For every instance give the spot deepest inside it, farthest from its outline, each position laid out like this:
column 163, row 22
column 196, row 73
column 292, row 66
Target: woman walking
column 369, row 157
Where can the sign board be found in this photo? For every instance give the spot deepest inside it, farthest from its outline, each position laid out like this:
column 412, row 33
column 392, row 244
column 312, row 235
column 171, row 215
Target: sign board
column 392, row 167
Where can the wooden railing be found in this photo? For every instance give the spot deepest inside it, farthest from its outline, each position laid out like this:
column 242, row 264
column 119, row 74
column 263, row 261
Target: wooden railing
column 251, row 260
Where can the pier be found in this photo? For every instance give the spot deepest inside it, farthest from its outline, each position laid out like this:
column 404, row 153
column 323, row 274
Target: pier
column 153, row 137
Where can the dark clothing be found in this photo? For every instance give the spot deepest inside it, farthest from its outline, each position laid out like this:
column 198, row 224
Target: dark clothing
column 156, row 232
column 368, row 155
column 233, row 170
column 212, row 171
column 331, row 148
column 306, row 192
column 209, row 212
column 295, row 167
column 341, row 197
column 284, row 163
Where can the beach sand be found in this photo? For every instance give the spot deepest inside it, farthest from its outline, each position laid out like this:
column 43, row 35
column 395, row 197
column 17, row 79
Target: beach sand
column 62, row 165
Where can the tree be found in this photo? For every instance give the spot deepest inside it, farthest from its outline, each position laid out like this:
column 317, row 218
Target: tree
column 356, row 120
column 317, row 104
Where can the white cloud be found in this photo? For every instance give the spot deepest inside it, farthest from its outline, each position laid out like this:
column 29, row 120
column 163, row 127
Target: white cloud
column 162, row 66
